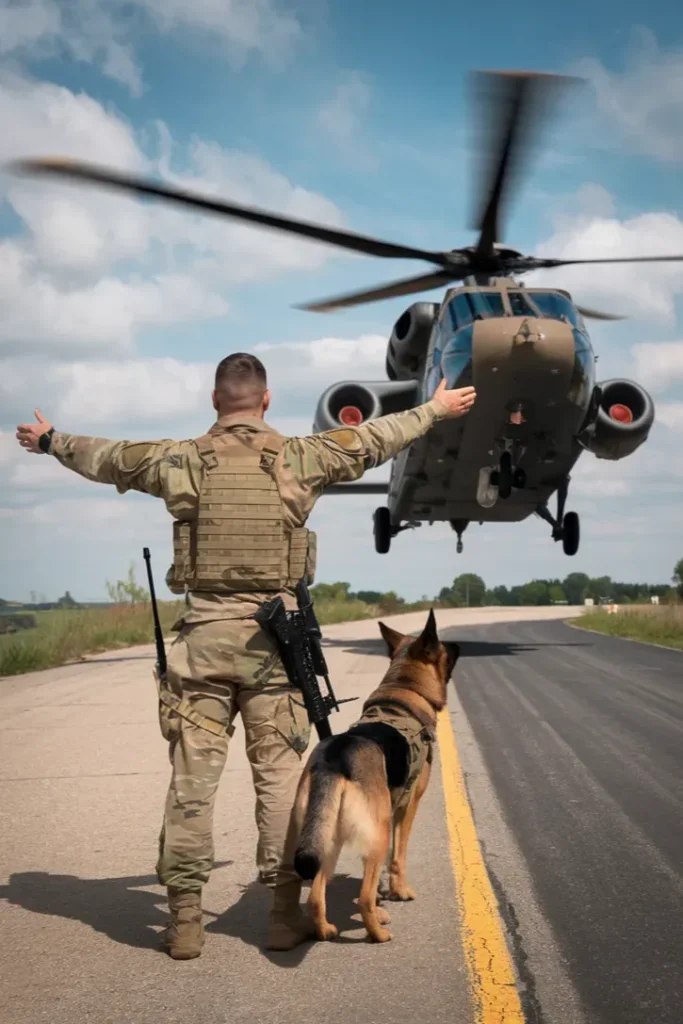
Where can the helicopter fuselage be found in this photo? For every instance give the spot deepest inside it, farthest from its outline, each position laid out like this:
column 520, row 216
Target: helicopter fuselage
column 534, row 377
column 529, row 356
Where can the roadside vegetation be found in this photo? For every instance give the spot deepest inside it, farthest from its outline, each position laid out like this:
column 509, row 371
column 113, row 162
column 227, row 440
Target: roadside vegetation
column 44, row 635
column 651, row 624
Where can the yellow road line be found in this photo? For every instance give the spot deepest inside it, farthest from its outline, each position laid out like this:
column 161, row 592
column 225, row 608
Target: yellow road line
column 491, row 972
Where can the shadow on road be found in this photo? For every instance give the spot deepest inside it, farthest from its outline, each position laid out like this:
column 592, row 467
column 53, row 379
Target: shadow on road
column 114, row 906
column 468, row 648
column 120, row 909
column 247, row 919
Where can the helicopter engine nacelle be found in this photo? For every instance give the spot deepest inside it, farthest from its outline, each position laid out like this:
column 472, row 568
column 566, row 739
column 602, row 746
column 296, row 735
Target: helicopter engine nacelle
column 409, row 341
column 625, row 414
column 350, row 403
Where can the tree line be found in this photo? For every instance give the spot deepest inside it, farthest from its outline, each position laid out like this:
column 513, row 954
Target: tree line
column 466, row 590
column 470, row 590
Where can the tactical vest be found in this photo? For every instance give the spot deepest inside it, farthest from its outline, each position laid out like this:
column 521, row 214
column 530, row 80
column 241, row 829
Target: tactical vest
column 239, row 540
column 419, row 734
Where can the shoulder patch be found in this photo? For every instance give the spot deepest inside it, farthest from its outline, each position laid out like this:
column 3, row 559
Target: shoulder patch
column 133, row 454
column 346, row 439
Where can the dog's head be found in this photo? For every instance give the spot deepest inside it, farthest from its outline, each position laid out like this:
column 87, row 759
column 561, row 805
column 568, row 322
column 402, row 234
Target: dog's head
column 423, row 663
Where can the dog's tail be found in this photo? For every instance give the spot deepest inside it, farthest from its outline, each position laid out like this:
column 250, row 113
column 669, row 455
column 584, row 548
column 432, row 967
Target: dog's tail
column 316, row 841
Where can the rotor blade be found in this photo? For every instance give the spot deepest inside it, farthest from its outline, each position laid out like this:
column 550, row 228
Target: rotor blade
column 596, row 314
column 387, row 291
column 510, row 108
column 548, row 264
column 67, row 168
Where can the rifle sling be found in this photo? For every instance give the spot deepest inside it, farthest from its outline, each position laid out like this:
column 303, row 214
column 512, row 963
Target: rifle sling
column 184, row 708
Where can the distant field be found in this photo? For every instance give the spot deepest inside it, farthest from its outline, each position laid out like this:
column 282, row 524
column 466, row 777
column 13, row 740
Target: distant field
column 67, row 635
column 654, row 624
column 64, row 636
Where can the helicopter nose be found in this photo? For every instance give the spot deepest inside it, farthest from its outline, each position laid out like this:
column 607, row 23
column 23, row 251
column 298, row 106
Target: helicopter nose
column 351, row 416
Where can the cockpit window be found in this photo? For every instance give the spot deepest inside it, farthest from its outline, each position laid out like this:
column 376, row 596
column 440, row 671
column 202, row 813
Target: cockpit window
column 460, row 311
column 519, row 304
column 488, row 303
column 557, row 307
column 475, row 305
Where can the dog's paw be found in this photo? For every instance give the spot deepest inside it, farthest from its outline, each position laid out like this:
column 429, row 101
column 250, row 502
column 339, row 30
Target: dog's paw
column 381, row 935
column 383, row 916
column 402, row 893
column 327, row 932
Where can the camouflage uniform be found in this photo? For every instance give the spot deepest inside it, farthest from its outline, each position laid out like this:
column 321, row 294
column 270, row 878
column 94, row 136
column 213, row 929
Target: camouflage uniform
column 221, row 662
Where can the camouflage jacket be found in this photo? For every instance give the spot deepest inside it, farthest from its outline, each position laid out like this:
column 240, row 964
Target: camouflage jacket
column 172, row 470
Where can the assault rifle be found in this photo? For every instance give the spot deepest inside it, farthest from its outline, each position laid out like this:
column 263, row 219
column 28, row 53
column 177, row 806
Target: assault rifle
column 158, row 636
column 297, row 635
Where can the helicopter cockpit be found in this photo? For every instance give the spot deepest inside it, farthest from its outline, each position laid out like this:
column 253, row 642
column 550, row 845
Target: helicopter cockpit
column 452, row 352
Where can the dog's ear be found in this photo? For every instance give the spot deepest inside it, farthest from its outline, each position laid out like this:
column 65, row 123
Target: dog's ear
column 452, row 654
column 392, row 638
column 426, row 647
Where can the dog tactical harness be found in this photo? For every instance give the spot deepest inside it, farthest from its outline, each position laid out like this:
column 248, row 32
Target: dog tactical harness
column 416, row 729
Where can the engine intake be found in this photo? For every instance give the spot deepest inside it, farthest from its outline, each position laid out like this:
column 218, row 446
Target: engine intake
column 350, row 403
column 409, row 341
column 624, row 418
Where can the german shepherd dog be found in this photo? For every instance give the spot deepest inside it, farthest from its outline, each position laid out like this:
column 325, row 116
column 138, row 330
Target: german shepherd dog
column 357, row 788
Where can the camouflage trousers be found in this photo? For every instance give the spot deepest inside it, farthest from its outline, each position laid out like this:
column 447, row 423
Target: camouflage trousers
column 224, row 668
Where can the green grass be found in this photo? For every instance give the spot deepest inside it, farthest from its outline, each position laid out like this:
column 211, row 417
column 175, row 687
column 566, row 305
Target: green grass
column 64, row 636
column 653, row 624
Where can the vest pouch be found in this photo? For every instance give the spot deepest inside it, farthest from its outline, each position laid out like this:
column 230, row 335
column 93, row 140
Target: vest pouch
column 311, row 558
column 298, row 555
column 182, row 571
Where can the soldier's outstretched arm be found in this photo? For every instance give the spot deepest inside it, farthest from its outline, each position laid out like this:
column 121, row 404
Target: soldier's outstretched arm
column 346, row 453
column 159, row 468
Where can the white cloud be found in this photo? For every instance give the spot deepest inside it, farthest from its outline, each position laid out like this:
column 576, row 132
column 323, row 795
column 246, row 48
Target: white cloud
column 40, row 317
column 143, row 392
column 56, row 285
column 658, row 365
column 643, row 103
column 102, row 31
column 671, row 415
column 635, row 290
column 340, row 116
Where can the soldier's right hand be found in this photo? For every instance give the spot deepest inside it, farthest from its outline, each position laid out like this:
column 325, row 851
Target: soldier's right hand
column 457, row 402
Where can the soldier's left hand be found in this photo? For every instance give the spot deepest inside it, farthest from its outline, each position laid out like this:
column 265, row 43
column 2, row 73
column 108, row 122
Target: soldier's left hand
column 29, row 433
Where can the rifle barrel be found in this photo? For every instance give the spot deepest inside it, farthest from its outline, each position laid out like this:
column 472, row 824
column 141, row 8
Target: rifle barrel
column 158, row 636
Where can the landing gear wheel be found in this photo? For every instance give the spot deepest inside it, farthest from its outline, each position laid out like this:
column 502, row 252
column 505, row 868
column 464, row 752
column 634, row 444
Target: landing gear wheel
column 382, row 530
column 570, row 533
column 505, row 476
column 519, row 479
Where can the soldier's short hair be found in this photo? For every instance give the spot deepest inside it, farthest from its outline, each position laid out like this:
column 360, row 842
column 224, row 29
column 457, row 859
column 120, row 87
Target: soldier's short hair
column 241, row 381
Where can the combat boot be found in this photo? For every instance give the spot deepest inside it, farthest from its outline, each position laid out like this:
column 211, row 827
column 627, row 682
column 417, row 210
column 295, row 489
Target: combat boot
column 288, row 924
column 184, row 935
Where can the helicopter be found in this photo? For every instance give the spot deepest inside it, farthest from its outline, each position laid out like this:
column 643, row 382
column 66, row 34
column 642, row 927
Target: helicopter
column 526, row 350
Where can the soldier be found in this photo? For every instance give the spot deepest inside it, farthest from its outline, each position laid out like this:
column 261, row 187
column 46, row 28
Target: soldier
column 239, row 496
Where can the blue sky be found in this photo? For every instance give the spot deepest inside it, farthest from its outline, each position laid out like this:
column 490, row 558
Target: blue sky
column 350, row 113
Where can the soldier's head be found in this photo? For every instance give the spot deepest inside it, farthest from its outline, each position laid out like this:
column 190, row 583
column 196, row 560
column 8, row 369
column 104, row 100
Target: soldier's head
column 241, row 386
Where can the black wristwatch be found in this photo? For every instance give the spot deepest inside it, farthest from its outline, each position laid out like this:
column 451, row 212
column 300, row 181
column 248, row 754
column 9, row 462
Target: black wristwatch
column 45, row 440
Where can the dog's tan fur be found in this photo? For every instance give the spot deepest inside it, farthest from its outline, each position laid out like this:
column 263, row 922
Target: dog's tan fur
column 332, row 810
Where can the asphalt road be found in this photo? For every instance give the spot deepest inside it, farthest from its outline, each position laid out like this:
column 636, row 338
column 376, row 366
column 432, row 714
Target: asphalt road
column 577, row 787
column 571, row 749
